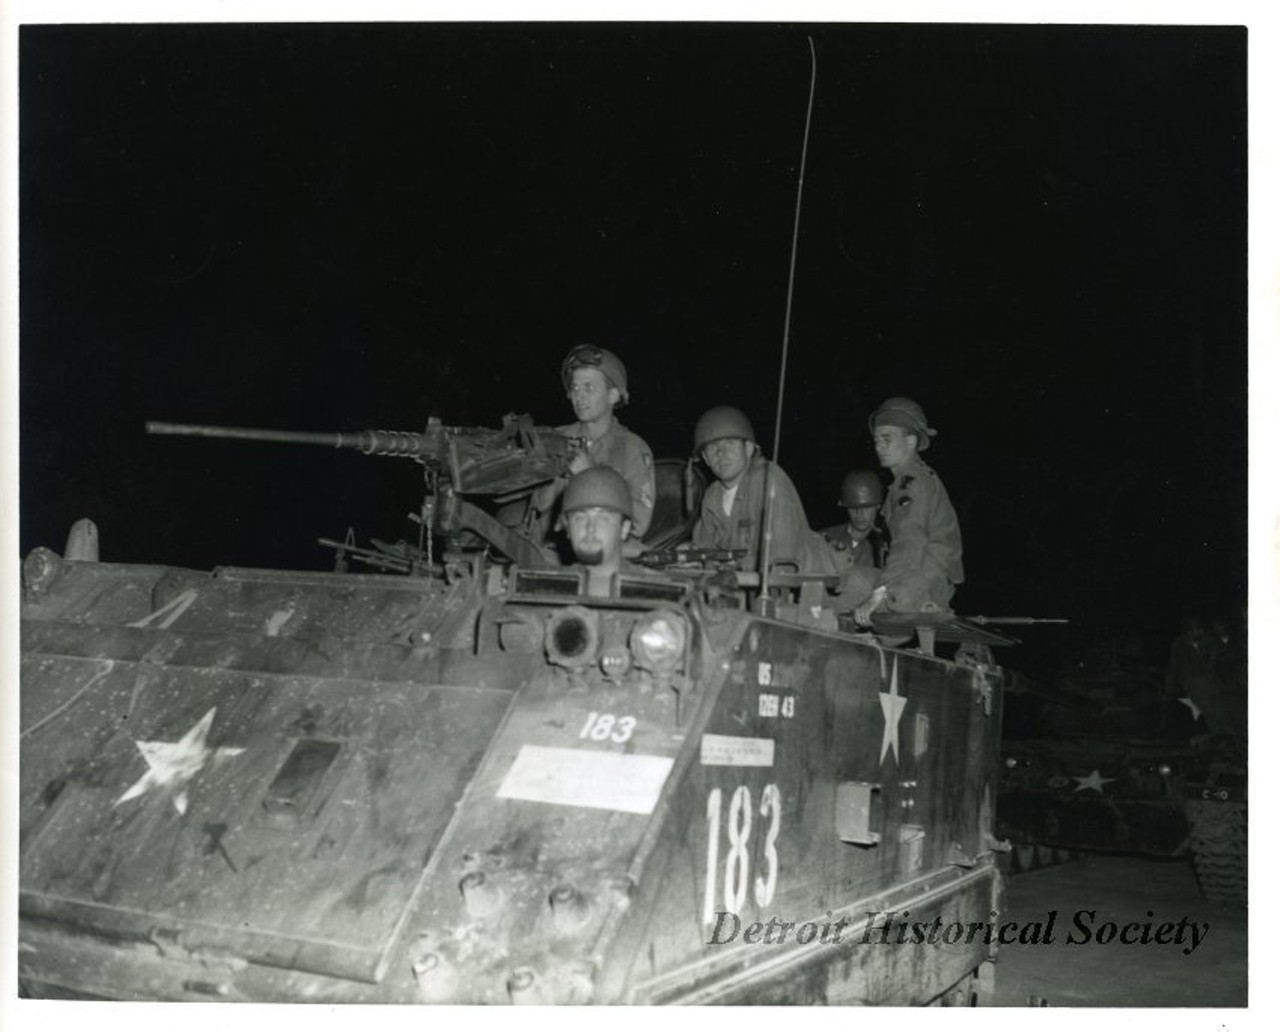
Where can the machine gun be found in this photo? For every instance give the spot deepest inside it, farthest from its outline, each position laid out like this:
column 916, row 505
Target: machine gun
column 500, row 465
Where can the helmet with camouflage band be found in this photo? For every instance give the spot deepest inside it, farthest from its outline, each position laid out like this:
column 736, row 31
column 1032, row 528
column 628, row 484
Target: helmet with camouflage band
column 591, row 357
column 906, row 415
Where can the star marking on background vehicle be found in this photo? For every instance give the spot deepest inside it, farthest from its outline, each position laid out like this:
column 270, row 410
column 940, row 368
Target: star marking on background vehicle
column 172, row 765
column 891, row 704
column 1190, row 703
column 1093, row 780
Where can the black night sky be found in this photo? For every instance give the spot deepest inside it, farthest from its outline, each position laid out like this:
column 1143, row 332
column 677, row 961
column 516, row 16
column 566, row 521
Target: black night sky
column 1037, row 232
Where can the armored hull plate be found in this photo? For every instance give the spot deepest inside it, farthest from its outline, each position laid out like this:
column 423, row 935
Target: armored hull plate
column 287, row 820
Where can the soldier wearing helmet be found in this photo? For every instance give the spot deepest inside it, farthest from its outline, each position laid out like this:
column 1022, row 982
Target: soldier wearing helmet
column 597, row 515
column 924, row 565
column 733, row 506
column 595, row 381
column 859, row 541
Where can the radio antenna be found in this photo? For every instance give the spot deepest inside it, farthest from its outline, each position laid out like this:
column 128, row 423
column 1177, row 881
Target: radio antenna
column 766, row 545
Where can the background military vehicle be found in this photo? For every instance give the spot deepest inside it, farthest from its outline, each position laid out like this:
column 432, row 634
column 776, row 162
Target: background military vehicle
column 1120, row 755
column 477, row 783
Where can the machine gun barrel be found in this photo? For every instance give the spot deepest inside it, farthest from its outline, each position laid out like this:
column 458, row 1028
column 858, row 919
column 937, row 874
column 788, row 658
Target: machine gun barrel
column 370, row 442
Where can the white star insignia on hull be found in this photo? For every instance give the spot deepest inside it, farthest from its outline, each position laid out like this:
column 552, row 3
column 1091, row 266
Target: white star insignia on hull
column 891, row 704
column 172, row 765
column 1093, row 780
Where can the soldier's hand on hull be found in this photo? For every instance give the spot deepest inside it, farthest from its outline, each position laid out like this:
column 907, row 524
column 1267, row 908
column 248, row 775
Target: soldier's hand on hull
column 862, row 615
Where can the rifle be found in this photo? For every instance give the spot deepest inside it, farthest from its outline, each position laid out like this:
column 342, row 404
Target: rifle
column 983, row 621
column 691, row 558
column 502, row 465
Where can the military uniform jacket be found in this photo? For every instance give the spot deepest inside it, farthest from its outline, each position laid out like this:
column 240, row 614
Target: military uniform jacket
column 924, row 534
column 793, row 540
column 866, row 554
column 623, row 451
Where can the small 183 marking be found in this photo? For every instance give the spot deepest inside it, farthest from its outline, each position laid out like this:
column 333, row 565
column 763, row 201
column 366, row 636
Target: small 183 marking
column 601, row 726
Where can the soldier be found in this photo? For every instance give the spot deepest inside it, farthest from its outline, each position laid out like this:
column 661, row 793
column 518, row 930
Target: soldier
column 924, row 565
column 1199, row 678
column 732, row 507
column 597, row 514
column 859, row 541
column 596, row 383
column 858, row 545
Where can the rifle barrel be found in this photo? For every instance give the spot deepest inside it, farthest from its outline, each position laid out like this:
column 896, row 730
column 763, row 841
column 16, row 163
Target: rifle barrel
column 983, row 620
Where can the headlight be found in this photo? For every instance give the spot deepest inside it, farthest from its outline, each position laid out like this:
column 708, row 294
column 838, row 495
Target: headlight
column 657, row 642
column 40, row 569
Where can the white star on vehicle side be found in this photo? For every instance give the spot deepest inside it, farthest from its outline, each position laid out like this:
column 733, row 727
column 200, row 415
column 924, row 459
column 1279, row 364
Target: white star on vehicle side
column 1093, row 780
column 1190, row 703
column 891, row 704
column 172, row 765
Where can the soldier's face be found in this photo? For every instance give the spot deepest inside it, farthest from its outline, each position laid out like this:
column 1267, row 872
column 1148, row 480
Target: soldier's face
column 894, row 446
column 596, row 535
column 861, row 519
column 590, row 394
column 727, row 459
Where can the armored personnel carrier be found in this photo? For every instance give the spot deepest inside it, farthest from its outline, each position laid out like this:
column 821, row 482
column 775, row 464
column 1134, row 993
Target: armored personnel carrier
column 473, row 782
column 1126, row 758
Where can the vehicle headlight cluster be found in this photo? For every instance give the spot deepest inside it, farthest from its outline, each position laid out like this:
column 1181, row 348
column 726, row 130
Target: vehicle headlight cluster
column 577, row 637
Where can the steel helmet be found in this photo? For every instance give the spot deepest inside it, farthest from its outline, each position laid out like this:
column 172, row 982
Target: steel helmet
column 591, row 357
column 861, row 488
column 598, row 488
column 720, row 422
column 906, row 414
